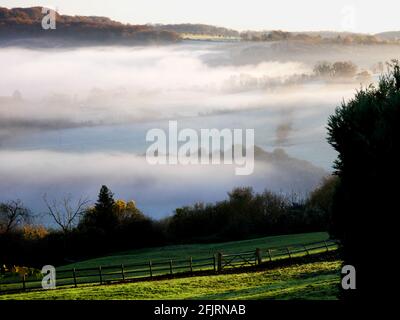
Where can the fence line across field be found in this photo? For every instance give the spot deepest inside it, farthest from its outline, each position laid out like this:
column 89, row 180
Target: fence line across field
column 148, row 269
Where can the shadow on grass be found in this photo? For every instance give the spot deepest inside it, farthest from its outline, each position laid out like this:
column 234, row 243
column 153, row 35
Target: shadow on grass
column 322, row 287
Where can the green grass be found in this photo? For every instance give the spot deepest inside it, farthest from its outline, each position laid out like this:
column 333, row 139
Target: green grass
column 179, row 254
column 314, row 280
column 197, row 250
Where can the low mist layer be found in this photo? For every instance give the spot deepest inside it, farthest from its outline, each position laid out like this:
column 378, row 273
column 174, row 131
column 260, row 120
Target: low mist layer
column 72, row 120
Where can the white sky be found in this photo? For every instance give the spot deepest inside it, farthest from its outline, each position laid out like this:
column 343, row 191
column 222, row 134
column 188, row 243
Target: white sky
column 369, row 16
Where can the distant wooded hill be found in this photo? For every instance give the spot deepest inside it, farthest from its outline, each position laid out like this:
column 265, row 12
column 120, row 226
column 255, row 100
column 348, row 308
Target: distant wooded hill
column 344, row 38
column 26, row 24
column 22, row 26
column 390, row 35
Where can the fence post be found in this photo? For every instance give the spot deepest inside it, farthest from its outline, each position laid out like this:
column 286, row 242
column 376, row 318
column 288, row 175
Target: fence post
column 326, row 245
column 269, row 254
column 215, row 263
column 308, row 252
column 101, row 276
column 219, row 261
column 290, row 256
column 151, row 269
column 170, row 267
column 23, row 282
column 191, row 264
column 123, row 272
column 74, row 274
column 258, row 256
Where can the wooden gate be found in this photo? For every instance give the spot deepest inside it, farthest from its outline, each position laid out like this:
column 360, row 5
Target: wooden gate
column 236, row 260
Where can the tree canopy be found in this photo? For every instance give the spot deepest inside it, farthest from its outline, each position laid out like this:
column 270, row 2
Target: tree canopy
column 365, row 133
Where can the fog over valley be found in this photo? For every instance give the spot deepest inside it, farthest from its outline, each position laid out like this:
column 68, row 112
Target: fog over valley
column 74, row 119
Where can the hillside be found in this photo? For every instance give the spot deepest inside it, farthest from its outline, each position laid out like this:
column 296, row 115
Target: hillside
column 315, row 280
column 26, row 24
column 319, row 274
column 22, row 27
column 389, row 35
column 322, row 37
column 198, row 251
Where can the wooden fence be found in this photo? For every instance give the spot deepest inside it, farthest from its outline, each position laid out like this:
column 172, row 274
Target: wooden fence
column 150, row 269
column 258, row 256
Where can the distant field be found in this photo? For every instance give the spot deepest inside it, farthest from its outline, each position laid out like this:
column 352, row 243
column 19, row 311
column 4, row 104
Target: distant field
column 207, row 37
column 197, row 250
column 314, row 280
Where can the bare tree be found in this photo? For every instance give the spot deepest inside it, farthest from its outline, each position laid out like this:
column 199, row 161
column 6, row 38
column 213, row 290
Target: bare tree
column 12, row 214
column 65, row 213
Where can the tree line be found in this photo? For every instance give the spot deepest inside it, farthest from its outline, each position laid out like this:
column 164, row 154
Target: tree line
column 314, row 37
column 83, row 230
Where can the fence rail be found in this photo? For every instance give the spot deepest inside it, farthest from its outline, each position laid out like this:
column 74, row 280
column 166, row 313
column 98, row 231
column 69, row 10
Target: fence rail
column 149, row 269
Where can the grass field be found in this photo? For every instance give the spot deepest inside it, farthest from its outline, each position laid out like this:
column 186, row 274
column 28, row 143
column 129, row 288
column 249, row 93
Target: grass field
column 197, row 250
column 314, row 280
